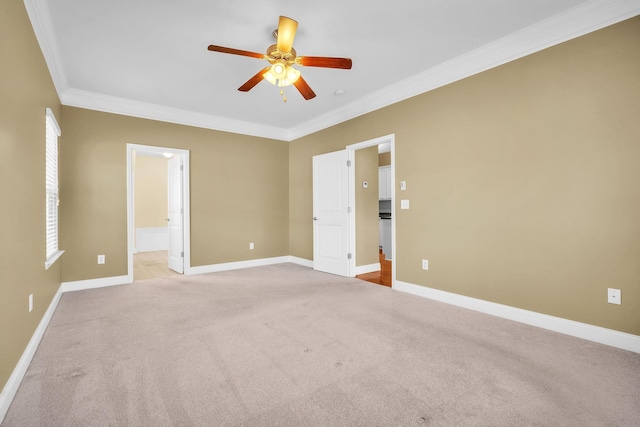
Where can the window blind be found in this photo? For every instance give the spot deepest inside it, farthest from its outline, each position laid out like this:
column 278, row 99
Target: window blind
column 51, row 175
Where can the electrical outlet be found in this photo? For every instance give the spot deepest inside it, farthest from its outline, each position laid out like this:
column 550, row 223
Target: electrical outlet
column 251, row 246
column 30, row 303
column 425, row 264
column 101, row 259
column 614, row 296
column 404, row 204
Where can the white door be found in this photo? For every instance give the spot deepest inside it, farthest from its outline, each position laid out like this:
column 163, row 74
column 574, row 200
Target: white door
column 331, row 213
column 176, row 212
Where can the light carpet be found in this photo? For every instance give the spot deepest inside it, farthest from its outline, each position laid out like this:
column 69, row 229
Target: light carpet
column 288, row 346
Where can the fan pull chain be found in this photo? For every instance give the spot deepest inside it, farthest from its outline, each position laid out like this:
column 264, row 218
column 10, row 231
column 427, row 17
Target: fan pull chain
column 284, row 96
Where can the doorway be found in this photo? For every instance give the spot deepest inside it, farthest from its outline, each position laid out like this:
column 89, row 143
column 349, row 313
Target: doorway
column 383, row 271
column 161, row 247
column 335, row 243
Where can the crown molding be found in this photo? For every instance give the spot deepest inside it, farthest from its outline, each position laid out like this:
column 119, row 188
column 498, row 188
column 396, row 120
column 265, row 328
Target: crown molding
column 573, row 23
column 38, row 12
column 580, row 20
column 144, row 110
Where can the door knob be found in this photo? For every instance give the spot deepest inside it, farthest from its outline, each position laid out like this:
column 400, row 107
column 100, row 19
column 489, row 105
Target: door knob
column 315, row 218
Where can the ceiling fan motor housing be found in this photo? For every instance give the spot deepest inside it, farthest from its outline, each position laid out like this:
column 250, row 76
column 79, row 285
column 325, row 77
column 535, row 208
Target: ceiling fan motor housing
column 274, row 55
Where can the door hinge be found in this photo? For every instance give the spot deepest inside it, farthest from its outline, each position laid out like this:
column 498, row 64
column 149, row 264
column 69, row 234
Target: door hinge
column 181, row 210
column 348, row 163
column 181, row 167
column 349, row 209
column 349, row 255
column 182, row 254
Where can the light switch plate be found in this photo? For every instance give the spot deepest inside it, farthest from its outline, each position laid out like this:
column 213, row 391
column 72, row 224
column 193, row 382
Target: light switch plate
column 404, row 204
column 101, row 259
column 403, row 185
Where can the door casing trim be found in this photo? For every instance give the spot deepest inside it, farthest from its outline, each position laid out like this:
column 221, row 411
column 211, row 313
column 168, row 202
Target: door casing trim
column 186, row 197
column 391, row 139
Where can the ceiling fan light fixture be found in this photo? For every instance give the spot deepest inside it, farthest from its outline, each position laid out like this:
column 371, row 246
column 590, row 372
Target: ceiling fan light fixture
column 292, row 75
column 281, row 56
column 281, row 75
column 278, row 71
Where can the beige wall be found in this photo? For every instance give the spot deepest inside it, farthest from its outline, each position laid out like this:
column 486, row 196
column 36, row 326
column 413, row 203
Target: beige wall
column 151, row 204
column 367, row 230
column 238, row 191
column 26, row 90
column 301, row 153
column 384, row 159
column 523, row 181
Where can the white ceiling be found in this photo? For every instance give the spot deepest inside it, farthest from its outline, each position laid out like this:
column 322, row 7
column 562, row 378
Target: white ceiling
column 149, row 58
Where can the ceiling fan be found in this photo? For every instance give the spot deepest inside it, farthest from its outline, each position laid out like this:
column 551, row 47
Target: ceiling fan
column 281, row 57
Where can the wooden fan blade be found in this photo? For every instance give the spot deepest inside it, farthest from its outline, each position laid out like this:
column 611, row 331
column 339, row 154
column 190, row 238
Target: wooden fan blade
column 286, row 33
column 325, row 62
column 222, row 49
column 304, row 88
column 253, row 80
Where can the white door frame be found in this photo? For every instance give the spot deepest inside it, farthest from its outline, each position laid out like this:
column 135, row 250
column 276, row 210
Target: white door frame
column 391, row 139
column 130, row 203
column 175, row 213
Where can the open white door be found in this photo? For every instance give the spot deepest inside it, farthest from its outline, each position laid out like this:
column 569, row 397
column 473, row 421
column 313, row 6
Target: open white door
column 176, row 214
column 331, row 213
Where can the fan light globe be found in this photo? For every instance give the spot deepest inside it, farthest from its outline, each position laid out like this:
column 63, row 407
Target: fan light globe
column 278, row 71
column 281, row 76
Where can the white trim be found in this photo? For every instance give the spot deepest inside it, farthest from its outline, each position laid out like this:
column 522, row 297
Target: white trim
column 52, row 188
column 575, row 22
column 351, row 223
column 81, row 285
column 578, row 21
column 364, row 269
column 386, row 139
column 581, row 330
column 54, row 122
column 568, row 327
column 226, row 266
column 11, row 387
column 145, row 110
column 300, row 261
column 52, row 259
column 40, row 17
column 186, row 195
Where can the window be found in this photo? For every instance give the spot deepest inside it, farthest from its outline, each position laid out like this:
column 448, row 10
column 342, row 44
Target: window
column 51, row 178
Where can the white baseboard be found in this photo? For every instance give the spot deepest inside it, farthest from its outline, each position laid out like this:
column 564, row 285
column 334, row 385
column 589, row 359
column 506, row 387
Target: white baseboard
column 301, row 261
column 81, row 285
column 11, row 387
column 225, row 266
column 585, row 331
column 581, row 330
column 364, row 269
